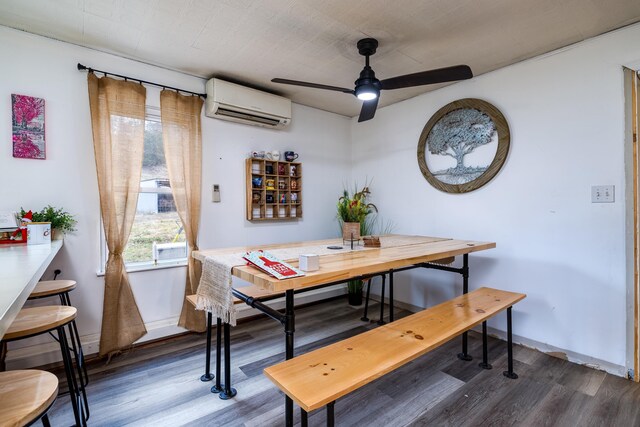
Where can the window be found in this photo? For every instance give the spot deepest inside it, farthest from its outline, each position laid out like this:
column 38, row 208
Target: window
column 157, row 237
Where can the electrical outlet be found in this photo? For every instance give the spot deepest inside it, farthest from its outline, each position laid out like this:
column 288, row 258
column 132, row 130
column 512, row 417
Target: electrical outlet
column 602, row 194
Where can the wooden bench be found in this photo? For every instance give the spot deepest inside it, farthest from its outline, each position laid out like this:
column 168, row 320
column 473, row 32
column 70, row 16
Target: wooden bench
column 320, row 377
column 226, row 391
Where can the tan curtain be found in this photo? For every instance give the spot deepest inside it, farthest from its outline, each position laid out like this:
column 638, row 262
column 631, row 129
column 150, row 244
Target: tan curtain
column 117, row 120
column 182, row 138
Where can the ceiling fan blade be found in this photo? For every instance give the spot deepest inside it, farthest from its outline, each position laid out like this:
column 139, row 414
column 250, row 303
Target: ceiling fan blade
column 313, row 85
column 440, row 75
column 368, row 110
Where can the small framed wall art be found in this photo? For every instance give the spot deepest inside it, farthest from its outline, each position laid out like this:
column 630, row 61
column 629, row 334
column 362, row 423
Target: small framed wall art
column 463, row 145
column 28, row 127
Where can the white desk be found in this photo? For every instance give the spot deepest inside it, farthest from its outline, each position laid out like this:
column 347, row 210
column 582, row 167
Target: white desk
column 21, row 267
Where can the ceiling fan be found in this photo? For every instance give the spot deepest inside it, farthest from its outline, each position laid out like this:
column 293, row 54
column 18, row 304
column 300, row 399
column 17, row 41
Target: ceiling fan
column 368, row 87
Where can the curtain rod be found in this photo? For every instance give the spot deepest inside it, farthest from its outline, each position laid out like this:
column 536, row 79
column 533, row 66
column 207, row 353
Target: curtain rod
column 92, row 70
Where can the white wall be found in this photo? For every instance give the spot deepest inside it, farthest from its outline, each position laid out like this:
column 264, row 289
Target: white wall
column 566, row 115
column 45, row 68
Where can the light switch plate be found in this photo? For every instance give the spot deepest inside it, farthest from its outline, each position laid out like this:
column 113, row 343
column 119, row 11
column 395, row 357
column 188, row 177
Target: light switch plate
column 216, row 193
column 602, row 194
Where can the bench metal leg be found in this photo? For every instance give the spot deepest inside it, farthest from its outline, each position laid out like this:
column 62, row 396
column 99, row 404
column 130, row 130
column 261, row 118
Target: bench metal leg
column 207, row 364
column 364, row 317
column 509, row 373
column 217, row 388
column 331, row 420
column 485, row 363
column 390, row 295
column 304, row 419
column 289, row 330
column 228, row 391
column 381, row 320
column 465, row 288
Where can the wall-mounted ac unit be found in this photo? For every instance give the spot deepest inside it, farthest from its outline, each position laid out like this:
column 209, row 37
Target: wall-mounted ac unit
column 229, row 101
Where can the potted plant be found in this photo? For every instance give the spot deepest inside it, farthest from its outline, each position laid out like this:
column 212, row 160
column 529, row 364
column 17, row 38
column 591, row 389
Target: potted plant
column 61, row 221
column 356, row 219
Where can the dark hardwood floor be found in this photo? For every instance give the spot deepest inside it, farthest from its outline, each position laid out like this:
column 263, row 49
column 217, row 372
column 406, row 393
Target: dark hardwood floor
column 158, row 384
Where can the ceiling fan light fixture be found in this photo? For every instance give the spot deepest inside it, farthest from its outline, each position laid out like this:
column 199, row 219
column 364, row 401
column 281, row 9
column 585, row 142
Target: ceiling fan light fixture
column 367, row 92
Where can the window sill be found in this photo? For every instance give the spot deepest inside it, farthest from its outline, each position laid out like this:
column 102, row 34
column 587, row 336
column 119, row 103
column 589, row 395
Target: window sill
column 149, row 266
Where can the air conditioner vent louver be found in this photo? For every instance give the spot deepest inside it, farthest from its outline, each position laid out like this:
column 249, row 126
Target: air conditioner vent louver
column 229, row 101
column 246, row 116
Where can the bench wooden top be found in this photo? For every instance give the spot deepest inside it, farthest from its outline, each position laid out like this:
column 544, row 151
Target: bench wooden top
column 25, row 395
column 343, row 266
column 319, row 377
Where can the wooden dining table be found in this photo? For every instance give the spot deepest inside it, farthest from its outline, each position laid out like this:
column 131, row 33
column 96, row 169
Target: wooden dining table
column 397, row 253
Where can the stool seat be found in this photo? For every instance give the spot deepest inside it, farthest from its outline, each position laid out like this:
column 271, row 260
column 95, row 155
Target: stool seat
column 36, row 320
column 26, row 396
column 47, row 288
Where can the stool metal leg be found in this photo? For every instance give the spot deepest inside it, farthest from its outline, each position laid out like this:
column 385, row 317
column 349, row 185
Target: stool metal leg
column 207, row 364
column 45, row 420
column 364, row 318
column 331, row 420
column 304, row 419
column 217, row 388
column 78, row 358
column 381, row 320
column 509, row 373
column 485, row 363
column 79, row 353
column 71, row 378
column 228, row 391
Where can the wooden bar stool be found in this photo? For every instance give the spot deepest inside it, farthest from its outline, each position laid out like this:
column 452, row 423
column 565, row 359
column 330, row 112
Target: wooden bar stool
column 26, row 396
column 61, row 288
column 40, row 320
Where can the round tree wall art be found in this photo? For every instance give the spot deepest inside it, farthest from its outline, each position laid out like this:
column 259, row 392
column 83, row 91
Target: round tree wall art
column 463, row 145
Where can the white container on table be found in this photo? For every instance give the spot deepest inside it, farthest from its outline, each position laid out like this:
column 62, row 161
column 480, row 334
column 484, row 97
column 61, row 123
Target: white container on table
column 38, row 233
column 309, row 262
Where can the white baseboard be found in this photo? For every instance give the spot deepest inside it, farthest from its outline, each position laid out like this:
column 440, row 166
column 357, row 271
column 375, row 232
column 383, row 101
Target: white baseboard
column 47, row 353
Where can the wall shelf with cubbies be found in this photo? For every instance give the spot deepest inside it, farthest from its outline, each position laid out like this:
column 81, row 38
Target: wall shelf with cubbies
column 274, row 190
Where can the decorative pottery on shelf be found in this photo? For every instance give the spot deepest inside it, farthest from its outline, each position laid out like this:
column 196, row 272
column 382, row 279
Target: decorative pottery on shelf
column 350, row 231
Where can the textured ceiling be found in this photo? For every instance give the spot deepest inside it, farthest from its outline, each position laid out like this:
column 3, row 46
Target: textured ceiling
column 253, row 41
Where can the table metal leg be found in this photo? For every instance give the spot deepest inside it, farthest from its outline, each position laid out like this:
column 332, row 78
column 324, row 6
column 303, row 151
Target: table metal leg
column 465, row 288
column 304, row 418
column 381, row 320
column 390, row 295
column 207, row 364
column 364, row 317
column 289, row 330
column 217, row 388
column 228, row 391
